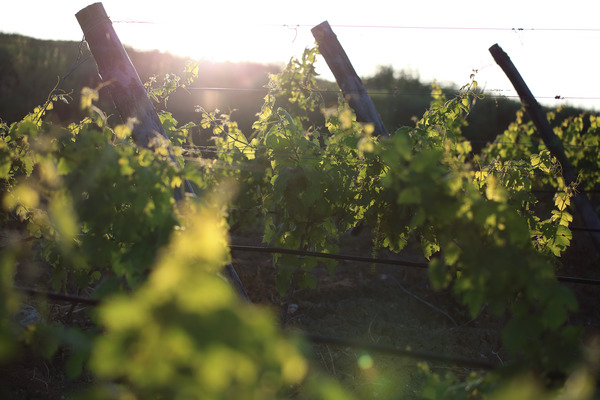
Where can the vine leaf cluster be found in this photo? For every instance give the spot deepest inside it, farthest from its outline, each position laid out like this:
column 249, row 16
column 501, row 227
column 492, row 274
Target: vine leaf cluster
column 96, row 214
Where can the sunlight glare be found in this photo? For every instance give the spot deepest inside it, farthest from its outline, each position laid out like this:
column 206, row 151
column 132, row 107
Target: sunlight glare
column 207, row 34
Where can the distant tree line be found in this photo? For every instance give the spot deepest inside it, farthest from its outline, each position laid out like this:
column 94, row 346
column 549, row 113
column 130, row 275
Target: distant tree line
column 30, row 68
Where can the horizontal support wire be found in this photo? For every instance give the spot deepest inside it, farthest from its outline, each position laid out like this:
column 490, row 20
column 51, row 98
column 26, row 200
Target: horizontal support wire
column 575, row 279
column 271, row 250
column 193, row 157
column 341, row 257
column 459, row 28
column 249, row 166
column 403, row 263
column 387, row 92
column 58, row 296
column 319, row 339
column 424, row 355
column 574, row 146
column 410, row 27
column 584, row 229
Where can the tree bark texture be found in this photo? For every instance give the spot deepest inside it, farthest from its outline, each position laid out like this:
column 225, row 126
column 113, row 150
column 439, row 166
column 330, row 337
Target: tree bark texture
column 115, row 69
column 129, row 95
column 346, row 77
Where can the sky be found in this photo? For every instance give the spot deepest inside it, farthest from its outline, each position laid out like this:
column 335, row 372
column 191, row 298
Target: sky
column 553, row 44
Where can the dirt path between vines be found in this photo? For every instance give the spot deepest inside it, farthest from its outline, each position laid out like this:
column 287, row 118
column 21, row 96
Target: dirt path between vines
column 386, row 305
column 383, row 305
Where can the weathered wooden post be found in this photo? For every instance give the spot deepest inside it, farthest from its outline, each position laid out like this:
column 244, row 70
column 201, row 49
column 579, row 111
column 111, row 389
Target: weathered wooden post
column 124, row 84
column 352, row 87
column 128, row 93
column 115, row 68
column 550, row 139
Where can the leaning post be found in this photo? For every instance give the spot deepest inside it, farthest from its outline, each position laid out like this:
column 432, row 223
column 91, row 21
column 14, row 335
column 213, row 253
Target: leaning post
column 550, row 139
column 124, row 84
column 128, row 92
column 346, row 77
column 116, row 69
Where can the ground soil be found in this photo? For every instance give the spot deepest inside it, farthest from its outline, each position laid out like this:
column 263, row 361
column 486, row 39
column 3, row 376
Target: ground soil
column 396, row 306
column 373, row 304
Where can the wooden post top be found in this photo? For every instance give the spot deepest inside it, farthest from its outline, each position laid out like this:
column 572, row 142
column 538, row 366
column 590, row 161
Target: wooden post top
column 347, row 78
column 92, row 16
column 322, row 30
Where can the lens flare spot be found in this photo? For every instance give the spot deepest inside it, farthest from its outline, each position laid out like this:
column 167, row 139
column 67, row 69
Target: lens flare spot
column 365, row 361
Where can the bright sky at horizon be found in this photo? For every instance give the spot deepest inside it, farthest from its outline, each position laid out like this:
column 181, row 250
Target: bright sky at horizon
column 552, row 43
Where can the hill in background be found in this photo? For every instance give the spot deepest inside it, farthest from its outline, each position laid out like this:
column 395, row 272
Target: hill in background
column 30, row 68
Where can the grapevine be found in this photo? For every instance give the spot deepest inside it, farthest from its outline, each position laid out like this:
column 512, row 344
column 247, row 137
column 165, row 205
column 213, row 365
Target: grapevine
column 97, row 214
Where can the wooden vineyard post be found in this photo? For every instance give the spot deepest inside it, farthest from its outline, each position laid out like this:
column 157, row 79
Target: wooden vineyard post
column 552, row 142
column 128, row 92
column 124, row 84
column 346, row 77
column 116, row 69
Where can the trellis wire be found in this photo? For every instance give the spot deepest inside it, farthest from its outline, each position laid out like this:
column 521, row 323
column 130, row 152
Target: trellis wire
column 314, row 338
column 77, row 62
column 410, row 27
column 341, row 257
column 391, row 91
column 213, row 149
column 459, row 28
column 371, row 260
column 58, row 296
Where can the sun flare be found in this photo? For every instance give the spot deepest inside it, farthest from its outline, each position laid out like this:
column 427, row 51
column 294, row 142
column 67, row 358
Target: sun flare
column 215, row 36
